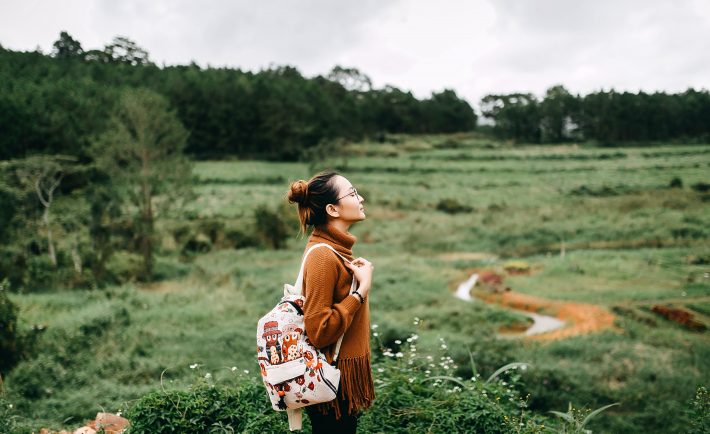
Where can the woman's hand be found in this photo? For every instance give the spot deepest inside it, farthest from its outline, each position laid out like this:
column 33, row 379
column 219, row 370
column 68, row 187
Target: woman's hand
column 362, row 269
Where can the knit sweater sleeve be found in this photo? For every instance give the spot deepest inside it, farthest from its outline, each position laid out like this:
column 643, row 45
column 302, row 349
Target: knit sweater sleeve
column 325, row 320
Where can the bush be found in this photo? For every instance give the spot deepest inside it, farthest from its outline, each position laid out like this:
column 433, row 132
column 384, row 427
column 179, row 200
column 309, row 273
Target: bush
column 414, row 394
column 7, row 416
column 676, row 182
column 207, row 407
column 700, row 412
column 452, row 206
column 10, row 351
column 271, row 227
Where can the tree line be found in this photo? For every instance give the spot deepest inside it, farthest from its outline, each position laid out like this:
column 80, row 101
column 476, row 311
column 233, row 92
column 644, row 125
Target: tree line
column 56, row 103
column 606, row 117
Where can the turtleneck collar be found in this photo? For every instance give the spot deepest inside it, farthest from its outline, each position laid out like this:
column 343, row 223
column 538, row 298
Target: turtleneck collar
column 336, row 237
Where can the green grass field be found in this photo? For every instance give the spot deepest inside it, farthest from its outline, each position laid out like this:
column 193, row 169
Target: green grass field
column 630, row 240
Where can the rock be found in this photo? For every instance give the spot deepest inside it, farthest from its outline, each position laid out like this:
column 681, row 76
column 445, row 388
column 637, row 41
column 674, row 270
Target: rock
column 111, row 423
column 85, row 430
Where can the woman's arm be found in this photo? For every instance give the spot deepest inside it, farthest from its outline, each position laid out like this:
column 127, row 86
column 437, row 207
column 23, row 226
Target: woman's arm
column 325, row 321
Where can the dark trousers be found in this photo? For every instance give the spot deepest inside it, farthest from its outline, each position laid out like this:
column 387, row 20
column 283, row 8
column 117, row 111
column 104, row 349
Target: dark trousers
column 328, row 424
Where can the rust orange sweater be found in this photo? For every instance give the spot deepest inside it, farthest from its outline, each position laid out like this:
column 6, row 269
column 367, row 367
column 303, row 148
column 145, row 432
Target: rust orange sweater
column 330, row 311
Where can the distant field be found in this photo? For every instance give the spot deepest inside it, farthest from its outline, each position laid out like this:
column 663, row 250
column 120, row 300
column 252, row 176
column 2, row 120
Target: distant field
column 437, row 207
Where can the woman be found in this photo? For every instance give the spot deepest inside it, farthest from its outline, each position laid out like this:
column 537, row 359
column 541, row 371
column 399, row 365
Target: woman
column 329, row 204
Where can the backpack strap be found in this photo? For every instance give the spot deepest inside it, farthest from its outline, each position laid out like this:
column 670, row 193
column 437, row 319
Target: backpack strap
column 294, row 418
column 298, row 287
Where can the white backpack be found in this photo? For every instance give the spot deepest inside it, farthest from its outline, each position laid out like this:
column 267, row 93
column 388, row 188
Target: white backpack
column 295, row 372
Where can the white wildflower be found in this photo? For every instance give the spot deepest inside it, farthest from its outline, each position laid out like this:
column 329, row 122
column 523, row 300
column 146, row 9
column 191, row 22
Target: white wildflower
column 208, row 376
column 398, row 342
column 246, row 371
column 374, row 326
column 399, row 355
column 234, row 368
column 380, row 370
column 194, row 366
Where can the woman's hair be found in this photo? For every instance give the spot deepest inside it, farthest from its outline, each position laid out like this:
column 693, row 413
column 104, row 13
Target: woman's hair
column 312, row 198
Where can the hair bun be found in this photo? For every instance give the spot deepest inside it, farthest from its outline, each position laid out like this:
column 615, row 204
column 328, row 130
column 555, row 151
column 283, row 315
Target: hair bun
column 298, row 192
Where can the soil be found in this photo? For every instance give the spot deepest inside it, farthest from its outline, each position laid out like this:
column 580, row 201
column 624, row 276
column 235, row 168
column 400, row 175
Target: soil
column 582, row 318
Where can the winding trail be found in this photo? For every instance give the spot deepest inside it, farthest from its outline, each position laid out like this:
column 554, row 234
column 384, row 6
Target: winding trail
column 571, row 319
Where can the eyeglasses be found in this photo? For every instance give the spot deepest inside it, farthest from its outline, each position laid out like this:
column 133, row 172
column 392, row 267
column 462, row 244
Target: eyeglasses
column 354, row 192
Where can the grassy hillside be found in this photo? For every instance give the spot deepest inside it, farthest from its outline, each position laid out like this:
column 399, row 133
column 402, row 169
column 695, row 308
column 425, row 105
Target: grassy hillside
column 633, row 223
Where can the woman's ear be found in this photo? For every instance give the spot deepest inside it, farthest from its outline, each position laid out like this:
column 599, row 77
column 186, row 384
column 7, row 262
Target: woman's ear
column 332, row 210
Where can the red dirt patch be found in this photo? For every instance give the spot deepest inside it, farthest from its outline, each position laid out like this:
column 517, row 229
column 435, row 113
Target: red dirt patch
column 490, row 277
column 680, row 316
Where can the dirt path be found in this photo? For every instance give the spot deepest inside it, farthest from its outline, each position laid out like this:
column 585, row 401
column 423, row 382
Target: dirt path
column 582, row 318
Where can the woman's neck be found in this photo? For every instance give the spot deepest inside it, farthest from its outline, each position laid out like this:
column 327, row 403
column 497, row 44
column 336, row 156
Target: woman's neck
column 340, row 225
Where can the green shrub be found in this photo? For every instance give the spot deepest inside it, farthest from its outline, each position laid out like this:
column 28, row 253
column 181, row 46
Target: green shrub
column 602, row 191
column 7, row 415
column 699, row 412
column 10, row 350
column 238, row 239
column 422, row 393
column 448, row 144
column 414, row 393
column 271, row 227
column 124, row 266
column 207, row 408
column 452, row 206
column 575, row 420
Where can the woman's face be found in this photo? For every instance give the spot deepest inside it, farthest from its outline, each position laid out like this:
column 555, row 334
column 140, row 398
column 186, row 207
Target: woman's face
column 349, row 204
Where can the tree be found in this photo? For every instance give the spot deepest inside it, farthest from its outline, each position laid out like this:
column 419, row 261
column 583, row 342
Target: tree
column 557, row 112
column 142, row 153
column 351, row 79
column 124, row 50
column 43, row 174
column 445, row 112
column 67, row 47
column 516, row 115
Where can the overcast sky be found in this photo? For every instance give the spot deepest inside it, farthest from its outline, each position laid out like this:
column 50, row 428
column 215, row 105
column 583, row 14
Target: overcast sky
column 475, row 47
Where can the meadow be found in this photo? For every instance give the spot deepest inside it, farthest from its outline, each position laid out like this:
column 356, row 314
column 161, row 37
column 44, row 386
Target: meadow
column 624, row 228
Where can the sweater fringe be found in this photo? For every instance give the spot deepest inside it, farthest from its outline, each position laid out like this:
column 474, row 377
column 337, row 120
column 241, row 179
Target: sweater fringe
column 356, row 386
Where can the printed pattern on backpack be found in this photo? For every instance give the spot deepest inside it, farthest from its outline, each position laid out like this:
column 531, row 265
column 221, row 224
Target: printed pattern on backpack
column 294, row 372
